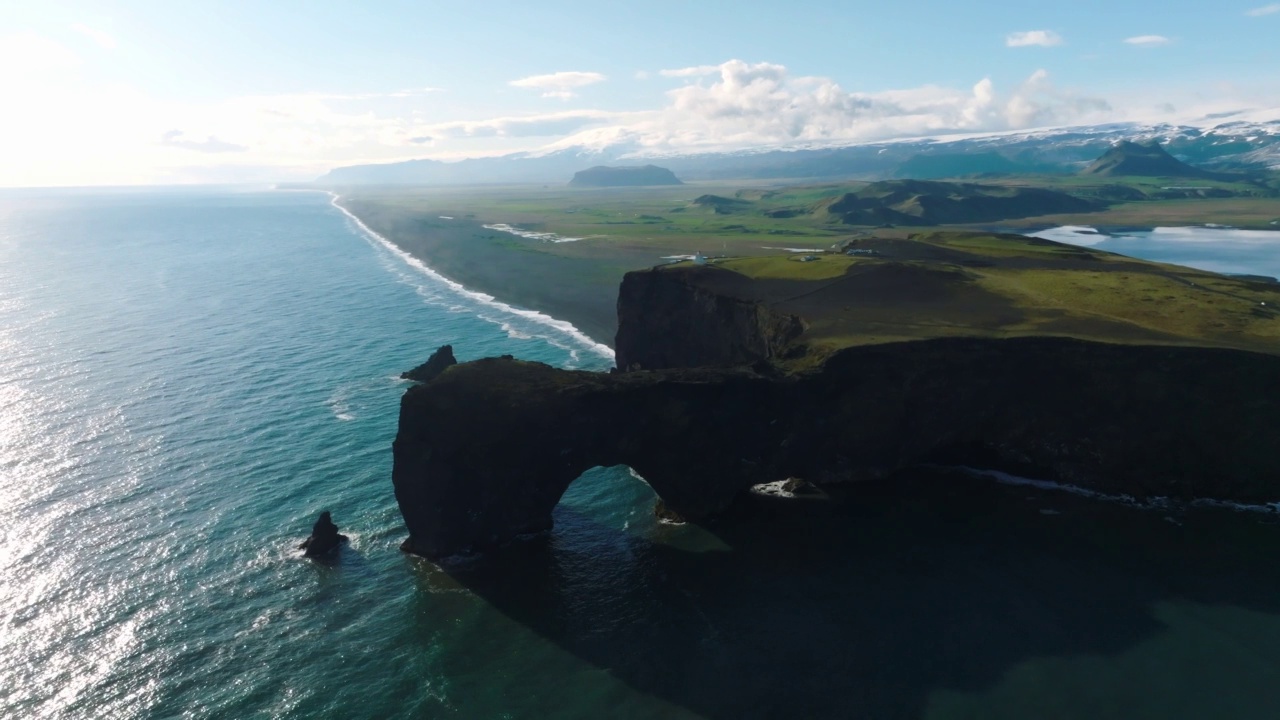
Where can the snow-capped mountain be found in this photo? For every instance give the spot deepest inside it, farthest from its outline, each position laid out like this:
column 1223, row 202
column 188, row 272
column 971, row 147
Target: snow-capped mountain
column 1246, row 140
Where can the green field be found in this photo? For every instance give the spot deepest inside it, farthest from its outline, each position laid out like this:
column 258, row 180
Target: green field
column 949, row 283
column 617, row 230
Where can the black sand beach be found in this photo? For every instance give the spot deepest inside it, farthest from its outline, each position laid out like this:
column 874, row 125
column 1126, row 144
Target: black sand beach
column 579, row 290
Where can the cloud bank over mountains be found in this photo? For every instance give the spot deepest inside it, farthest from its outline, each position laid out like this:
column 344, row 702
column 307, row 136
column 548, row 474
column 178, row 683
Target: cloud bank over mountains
column 738, row 105
column 64, row 126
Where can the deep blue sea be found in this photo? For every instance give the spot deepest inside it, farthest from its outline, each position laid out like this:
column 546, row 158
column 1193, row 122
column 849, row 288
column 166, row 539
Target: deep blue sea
column 187, row 378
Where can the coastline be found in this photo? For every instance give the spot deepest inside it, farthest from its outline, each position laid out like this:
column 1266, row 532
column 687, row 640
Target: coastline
column 461, row 253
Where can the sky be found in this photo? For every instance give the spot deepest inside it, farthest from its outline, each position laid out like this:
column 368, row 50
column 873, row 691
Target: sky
column 167, row 91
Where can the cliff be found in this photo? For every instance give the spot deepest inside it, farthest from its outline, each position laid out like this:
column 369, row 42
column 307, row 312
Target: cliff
column 485, row 450
column 706, row 316
column 1049, row 361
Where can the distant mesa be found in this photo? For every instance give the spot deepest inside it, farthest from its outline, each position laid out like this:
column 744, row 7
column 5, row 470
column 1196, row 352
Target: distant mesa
column 603, row 176
column 1143, row 160
column 915, row 203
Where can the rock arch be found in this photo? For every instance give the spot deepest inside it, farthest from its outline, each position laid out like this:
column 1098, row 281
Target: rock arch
column 486, row 449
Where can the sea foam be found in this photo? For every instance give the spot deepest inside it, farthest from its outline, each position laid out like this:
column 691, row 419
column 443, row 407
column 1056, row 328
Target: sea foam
column 560, row 326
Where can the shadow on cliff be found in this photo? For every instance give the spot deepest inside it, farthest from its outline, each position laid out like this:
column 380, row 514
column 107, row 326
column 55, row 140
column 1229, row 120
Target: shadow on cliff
column 867, row 605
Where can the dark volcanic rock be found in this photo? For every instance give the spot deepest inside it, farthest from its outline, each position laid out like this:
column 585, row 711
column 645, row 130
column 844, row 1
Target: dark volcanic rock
column 694, row 318
column 324, row 539
column 602, row 176
column 485, row 451
column 439, row 361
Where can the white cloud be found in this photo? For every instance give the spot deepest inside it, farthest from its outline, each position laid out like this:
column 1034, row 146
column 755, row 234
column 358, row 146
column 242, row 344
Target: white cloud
column 695, row 71
column 62, row 126
column 101, row 38
column 1271, row 9
column 27, row 55
column 1148, row 40
column 761, row 105
column 541, row 125
column 1036, row 38
column 559, row 84
column 211, row 144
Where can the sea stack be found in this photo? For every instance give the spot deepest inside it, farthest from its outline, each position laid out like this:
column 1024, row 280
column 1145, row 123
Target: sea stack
column 324, row 539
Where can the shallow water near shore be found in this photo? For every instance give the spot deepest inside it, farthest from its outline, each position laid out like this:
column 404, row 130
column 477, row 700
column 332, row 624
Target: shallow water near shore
column 188, row 378
column 1206, row 247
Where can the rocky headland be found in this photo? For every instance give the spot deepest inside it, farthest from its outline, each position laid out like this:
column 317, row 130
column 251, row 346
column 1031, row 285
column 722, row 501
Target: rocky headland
column 741, row 374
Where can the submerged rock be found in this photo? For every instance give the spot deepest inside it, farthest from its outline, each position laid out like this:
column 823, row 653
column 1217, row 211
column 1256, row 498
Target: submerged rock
column 324, row 539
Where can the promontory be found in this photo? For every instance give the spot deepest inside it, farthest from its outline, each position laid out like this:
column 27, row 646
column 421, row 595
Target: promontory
column 979, row 350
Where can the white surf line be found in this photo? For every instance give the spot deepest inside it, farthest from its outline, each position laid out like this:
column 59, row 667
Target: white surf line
column 532, row 234
column 1159, row 502
column 792, row 250
column 563, row 326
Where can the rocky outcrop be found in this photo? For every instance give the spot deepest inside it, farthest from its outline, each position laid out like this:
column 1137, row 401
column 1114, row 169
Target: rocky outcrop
column 697, row 317
column 440, row 360
column 324, row 538
column 485, row 451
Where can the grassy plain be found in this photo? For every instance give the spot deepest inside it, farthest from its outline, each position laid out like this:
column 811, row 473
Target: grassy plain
column 617, row 230
column 949, row 283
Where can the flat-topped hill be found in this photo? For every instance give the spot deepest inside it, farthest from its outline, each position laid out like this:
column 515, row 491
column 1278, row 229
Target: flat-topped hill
column 926, row 202
column 1138, row 160
column 602, row 176
column 952, row 284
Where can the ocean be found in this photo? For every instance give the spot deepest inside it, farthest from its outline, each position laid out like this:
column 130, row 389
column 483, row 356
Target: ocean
column 188, row 377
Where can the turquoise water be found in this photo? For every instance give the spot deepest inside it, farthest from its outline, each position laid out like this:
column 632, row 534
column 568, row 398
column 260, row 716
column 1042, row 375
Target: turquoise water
column 187, row 378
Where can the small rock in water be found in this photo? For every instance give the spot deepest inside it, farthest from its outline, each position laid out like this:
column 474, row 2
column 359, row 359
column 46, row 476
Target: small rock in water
column 324, row 539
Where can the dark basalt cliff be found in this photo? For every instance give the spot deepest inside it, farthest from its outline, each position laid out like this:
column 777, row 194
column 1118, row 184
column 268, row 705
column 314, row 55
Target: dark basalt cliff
column 486, row 449
column 696, row 318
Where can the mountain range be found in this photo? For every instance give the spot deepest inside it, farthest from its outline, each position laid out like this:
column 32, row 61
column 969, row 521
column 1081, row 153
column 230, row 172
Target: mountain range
column 1230, row 145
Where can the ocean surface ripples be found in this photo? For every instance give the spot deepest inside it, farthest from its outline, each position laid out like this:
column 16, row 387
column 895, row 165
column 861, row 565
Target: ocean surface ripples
column 188, row 377
column 186, row 380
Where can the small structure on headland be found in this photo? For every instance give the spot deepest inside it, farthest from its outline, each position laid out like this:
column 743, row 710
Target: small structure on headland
column 324, row 538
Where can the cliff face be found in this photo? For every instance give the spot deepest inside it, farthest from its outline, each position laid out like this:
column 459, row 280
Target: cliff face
column 694, row 318
column 486, row 449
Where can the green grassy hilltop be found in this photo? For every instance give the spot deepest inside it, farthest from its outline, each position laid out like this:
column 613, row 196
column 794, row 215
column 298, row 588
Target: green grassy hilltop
column 942, row 284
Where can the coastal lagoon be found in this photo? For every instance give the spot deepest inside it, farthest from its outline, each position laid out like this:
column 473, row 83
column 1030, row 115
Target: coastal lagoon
column 1207, row 247
column 187, row 378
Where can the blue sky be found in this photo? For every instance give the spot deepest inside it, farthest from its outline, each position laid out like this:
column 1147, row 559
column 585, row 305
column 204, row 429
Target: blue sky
column 148, row 92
